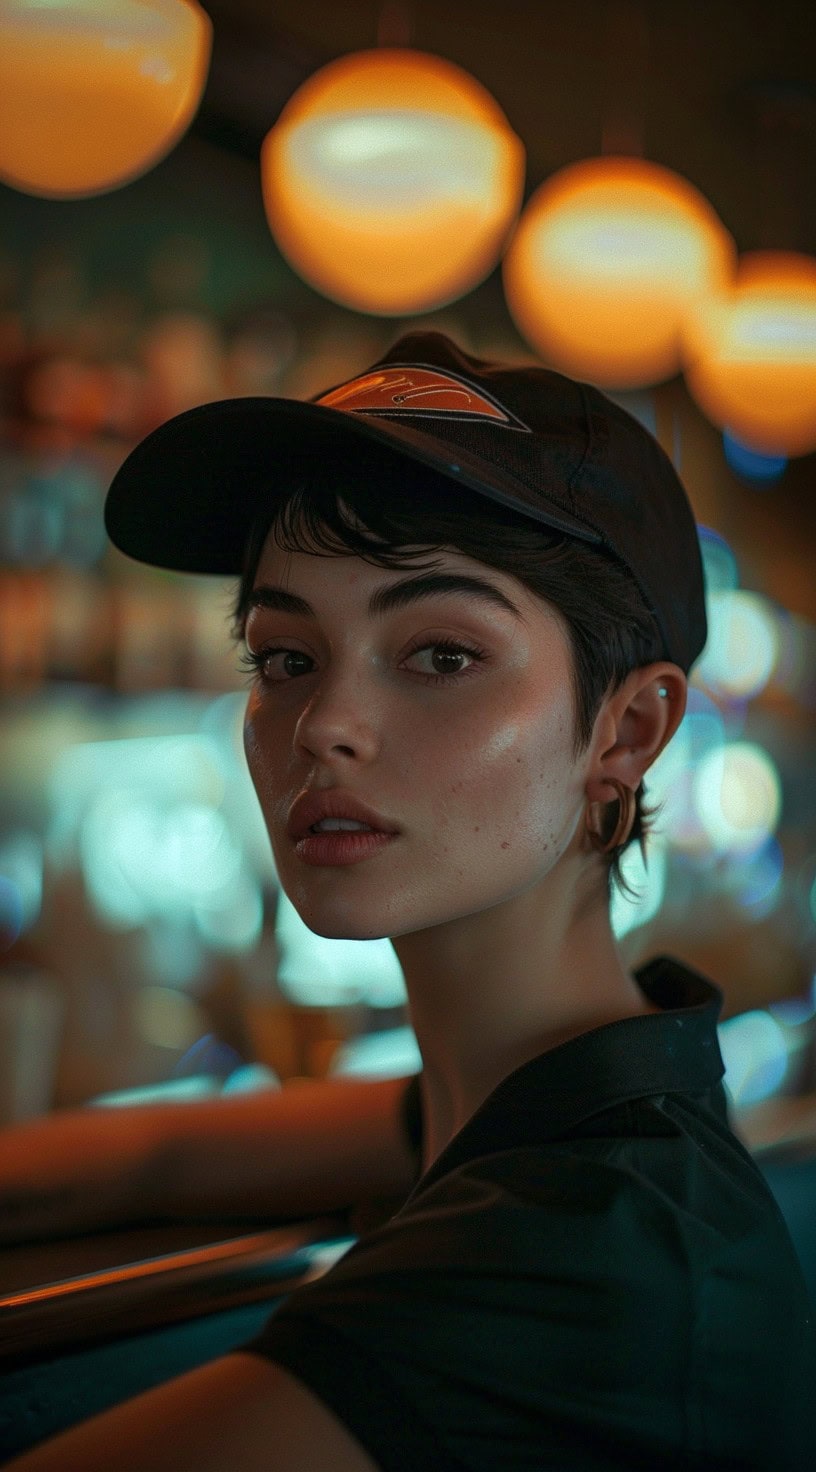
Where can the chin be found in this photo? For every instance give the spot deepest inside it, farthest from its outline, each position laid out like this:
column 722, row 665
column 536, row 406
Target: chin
column 345, row 931
column 328, row 921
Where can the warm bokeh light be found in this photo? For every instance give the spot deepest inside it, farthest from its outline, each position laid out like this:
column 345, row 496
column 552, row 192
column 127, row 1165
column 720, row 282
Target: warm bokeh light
column 91, row 96
column 608, row 256
column 391, row 181
column 166, row 1017
column 749, row 353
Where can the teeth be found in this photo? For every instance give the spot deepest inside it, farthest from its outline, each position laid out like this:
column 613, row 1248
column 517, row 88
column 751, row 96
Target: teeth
column 330, row 825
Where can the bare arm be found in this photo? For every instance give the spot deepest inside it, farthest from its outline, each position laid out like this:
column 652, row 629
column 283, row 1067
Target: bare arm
column 310, row 1147
column 313, row 1146
column 237, row 1412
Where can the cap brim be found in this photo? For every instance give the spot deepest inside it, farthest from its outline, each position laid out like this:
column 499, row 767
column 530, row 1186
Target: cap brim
column 187, row 496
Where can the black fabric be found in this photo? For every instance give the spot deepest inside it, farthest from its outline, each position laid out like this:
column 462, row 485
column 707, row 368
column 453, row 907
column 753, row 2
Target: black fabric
column 593, row 1274
column 412, row 1118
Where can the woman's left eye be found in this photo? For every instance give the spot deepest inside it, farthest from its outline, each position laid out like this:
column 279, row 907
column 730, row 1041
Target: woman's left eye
column 451, row 649
column 258, row 661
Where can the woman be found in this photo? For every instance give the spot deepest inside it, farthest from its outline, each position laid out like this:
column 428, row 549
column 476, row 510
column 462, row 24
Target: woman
column 470, row 599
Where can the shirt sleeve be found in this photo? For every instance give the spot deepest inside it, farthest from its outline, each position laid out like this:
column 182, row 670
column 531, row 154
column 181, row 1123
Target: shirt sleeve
column 564, row 1309
column 478, row 1319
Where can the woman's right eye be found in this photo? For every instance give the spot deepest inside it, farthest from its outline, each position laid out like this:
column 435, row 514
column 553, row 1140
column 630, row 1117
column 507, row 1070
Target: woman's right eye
column 256, row 661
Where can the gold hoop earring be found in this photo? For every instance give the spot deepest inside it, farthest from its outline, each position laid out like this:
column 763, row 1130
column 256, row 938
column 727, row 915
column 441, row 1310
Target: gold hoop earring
column 627, row 807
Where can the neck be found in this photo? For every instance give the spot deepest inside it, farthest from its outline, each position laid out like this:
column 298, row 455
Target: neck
column 490, row 991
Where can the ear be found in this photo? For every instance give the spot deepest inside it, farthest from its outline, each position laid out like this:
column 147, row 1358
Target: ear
column 633, row 726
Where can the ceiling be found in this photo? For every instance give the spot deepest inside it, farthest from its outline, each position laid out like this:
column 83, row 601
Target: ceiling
column 722, row 91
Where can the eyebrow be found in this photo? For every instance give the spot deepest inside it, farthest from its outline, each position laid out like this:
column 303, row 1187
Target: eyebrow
column 393, row 595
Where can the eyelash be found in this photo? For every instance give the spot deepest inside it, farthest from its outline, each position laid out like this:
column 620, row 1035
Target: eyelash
column 253, row 662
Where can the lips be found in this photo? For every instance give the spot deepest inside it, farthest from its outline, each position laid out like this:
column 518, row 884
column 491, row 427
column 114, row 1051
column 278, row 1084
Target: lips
column 310, row 807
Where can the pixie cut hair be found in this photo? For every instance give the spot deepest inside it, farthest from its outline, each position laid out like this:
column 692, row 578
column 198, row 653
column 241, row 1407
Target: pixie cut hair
column 381, row 505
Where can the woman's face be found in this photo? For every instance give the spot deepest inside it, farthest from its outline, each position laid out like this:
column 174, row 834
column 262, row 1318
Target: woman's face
column 466, row 751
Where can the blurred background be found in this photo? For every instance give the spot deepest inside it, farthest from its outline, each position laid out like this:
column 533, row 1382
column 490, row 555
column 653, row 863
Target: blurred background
column 198, row 202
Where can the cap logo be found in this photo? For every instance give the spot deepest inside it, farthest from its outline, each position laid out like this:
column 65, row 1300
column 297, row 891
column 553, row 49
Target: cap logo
column 423, row 393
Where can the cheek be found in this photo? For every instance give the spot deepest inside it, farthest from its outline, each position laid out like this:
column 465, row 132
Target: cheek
column 251, row 747
column 514, row 773
column 257, row 750
column 273, row 788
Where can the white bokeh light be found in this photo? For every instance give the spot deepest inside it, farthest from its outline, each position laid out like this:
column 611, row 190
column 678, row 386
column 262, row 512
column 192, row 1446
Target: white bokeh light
column 743, row 643
column 394, row 161
column 754, row 1047
column 393, row 1053
column 316, row 971
column 232, row 919
column 670, row 780
column 648, row 882
column 737, row 793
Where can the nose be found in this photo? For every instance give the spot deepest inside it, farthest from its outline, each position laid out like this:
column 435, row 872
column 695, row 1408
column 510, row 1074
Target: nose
column 340, row 718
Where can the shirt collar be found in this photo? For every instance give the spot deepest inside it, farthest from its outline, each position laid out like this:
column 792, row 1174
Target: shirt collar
column 673, row 1051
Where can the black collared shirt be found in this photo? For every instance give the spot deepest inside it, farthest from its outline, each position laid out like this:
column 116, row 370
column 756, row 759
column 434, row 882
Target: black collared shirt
column 593, row 1274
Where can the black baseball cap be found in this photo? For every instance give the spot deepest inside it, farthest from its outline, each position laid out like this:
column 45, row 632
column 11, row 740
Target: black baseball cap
column 557, row 450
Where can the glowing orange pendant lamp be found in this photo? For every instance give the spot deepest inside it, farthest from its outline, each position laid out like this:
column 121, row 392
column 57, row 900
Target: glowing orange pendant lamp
column 391, row 181
column 608, row 256
column 94, row 94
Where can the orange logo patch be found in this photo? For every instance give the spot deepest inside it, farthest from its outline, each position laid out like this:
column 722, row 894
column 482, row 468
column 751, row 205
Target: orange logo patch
column 421, row 392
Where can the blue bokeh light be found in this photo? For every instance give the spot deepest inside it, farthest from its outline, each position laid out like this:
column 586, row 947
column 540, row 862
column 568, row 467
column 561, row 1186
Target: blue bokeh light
column 752, row 465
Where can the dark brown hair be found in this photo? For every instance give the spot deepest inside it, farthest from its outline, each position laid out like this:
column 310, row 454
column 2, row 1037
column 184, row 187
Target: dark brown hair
column 380, row 506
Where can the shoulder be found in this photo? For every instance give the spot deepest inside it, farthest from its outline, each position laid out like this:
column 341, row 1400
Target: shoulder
column 526, row 1228
column 664, row 1206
